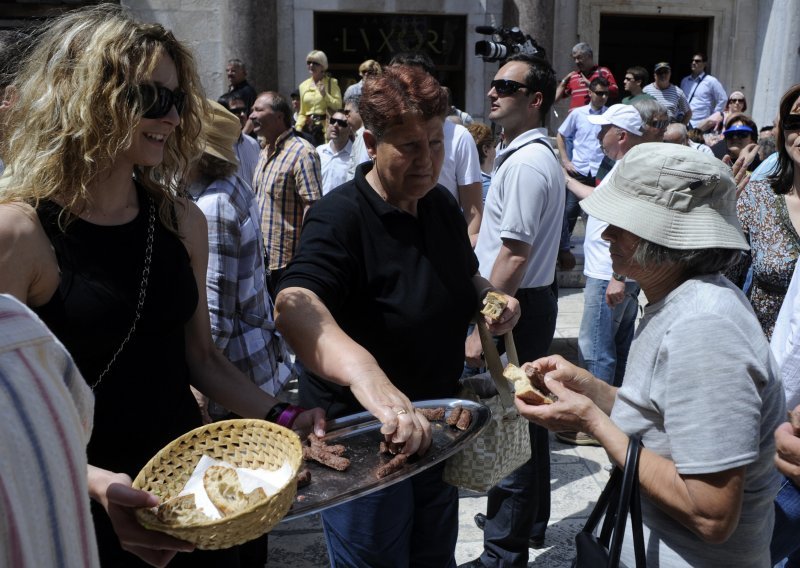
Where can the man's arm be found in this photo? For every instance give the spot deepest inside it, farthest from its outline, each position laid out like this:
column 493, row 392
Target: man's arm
column 563, row 90
column 613, row 88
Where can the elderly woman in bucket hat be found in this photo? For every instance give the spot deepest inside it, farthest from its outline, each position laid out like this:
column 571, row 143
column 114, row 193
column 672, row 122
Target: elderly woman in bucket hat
column 700, row 385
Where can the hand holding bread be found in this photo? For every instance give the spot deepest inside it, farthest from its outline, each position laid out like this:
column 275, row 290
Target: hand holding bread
column 523, row 378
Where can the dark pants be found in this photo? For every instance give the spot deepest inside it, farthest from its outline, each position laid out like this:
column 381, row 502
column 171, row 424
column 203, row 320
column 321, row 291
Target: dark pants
column 519, row 506
column 411, row 523
column 571, row 211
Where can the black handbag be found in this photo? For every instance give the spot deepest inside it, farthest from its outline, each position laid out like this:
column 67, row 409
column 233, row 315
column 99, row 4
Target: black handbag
column 620, row 496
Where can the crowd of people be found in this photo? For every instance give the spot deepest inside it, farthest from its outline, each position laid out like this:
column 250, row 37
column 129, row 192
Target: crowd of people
column 168, row 260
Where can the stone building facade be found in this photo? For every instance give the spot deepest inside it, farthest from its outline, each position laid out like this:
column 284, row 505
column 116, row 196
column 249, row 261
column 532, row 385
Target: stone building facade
column 752, row 46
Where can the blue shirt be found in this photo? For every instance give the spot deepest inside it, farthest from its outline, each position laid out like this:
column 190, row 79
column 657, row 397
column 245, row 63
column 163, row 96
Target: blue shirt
column 705, row 94
column 586, row 151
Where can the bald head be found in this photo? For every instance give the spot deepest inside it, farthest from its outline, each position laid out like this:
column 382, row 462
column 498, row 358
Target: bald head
column 676, row 133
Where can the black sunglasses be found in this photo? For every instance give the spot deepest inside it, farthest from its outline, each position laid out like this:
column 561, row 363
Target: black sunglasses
column 505, row 87
column 340, row 121
column 735, row 100
column 741, row 134
column 157, row 101
column 659, row 124
column 601, row 93
column 791, row 122
column 239, row 110
column 314, row 63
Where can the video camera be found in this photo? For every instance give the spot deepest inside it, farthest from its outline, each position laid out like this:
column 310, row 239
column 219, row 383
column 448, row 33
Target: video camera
column 509, row 42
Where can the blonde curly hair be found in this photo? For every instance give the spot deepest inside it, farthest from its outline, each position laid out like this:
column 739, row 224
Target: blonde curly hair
column 78, row 104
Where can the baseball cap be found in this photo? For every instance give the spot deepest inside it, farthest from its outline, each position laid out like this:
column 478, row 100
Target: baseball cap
column 673, row 196
column 662, row 65
column 622, row 116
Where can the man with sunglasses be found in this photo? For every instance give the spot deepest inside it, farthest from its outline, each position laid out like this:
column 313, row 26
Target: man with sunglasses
column 516, row 249
column 585, row 159
column 334, row 156
column 705, row 94
column 669, row 95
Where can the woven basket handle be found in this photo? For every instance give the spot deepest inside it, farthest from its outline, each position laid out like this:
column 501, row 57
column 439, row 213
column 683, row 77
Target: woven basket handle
column 492, row 358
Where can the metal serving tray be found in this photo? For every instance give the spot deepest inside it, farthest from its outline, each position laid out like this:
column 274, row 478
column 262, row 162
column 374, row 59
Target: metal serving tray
column 360, row 433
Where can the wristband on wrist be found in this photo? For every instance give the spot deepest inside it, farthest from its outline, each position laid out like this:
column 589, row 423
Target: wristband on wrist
column 274, row 413
column 618, row 277
column 289, row 415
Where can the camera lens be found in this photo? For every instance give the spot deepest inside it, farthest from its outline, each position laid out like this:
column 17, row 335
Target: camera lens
column 491, row 50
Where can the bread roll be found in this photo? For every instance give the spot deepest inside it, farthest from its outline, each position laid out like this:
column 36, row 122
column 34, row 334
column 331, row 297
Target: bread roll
column 225, row 492
column 493, row 305
column 520, row 378
column 181, row 511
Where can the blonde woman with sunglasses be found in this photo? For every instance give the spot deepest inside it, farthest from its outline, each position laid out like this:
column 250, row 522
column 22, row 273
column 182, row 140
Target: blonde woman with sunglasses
column 98, row 241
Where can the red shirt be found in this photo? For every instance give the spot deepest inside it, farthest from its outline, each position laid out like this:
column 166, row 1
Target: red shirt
column 579, row 91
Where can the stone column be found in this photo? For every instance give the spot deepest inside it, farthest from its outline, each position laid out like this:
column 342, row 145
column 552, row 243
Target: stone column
column 534, row 17
column 249, row 31
column 777, row 57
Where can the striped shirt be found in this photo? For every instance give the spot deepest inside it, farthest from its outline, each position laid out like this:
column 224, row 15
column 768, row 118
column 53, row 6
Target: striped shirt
column 238, row 302
column 672, row 98
column 47, row 411
column 286, row 182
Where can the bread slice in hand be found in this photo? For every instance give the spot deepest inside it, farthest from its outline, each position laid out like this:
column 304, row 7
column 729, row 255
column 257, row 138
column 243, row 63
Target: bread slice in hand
column 225, row 492
column 520, row 378
column 493, row 305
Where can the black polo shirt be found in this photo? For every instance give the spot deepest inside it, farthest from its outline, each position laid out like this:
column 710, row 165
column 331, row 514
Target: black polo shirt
column 399, row 285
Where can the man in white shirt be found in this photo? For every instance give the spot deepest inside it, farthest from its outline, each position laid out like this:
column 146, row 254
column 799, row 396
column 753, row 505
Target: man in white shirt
column 335, row 155
column 358, row 153
column 705, row 94
column 517, row 249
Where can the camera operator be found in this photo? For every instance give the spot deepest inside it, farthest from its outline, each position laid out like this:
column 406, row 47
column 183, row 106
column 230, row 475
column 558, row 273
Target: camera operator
column 575, row 84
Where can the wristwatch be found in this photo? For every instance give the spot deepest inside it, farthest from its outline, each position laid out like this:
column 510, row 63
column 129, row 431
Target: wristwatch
column 618, row 277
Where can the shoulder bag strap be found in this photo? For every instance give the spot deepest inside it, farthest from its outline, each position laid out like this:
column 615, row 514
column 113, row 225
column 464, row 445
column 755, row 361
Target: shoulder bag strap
column 629, row 492
column 537, row 141
column 495, row 366
column 697, row 85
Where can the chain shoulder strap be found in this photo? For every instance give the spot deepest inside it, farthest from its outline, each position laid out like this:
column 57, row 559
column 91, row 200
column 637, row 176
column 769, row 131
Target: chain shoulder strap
column 148, row 256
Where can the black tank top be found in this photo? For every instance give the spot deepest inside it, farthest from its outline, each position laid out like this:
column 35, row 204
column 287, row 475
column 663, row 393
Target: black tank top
column 144, row 400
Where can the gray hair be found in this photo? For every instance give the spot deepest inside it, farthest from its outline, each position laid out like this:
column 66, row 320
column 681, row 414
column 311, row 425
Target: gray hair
column 693, row 262
column 648, row 108
column 237, row 63
column 354, row 100
column 678, row 129
column 583, row 48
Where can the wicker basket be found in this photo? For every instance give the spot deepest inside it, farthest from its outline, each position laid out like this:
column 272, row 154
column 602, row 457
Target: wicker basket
column 241, row 443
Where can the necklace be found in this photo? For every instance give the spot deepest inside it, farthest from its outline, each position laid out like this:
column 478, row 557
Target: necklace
column 148, row 255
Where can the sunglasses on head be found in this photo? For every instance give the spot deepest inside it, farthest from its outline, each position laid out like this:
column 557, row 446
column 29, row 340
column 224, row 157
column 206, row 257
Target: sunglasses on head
column 340, row 121
column 659, row 124
column 791, row 122
column 157, row 101
column 505, row 87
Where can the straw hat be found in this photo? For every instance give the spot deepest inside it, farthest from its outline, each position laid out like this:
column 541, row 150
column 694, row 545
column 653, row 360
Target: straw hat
column 673, row 196
column 222, row 129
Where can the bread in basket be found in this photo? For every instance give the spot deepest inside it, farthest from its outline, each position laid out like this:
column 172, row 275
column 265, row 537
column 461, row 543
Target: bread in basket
column 241, row 443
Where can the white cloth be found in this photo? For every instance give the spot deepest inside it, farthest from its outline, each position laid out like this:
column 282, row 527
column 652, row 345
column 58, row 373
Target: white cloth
column 705, row 94
column 701, row 148
column 334, row 165
column 596, row 258
column 785, row 343
column 525, row 203
column 358, row 153
column 707, row 408
column 462, row 165
column 47, row 411
column 247, row 151
column 586, row 151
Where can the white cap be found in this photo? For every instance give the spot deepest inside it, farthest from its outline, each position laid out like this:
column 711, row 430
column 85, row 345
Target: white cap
column 622, row 116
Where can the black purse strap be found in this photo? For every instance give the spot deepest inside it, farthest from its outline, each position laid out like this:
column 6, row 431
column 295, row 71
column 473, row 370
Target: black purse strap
column 621, row 490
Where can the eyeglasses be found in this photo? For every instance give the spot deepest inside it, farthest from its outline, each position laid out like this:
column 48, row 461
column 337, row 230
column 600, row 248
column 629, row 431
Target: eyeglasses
column 340, row 121
column 506, row 87
column 314, row 63
column 659, row 124
column 736, row 100
column 791, row 122
column 157, row 101
column 601, row 93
